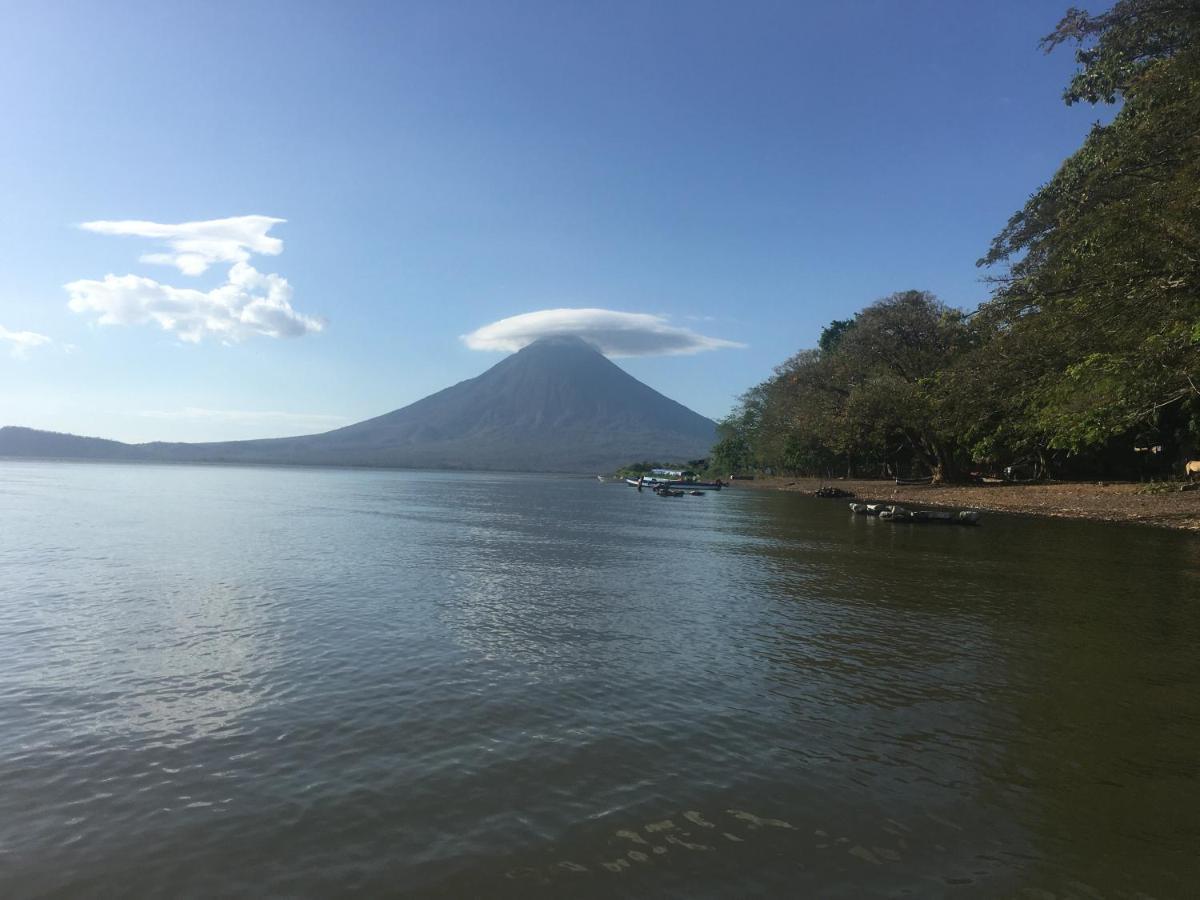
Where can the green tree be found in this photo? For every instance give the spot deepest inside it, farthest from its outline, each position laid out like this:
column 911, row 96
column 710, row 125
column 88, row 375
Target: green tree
column 832, row 334
column 1100, row 307
column 1091, row 338
column 732, row 454
column 896, row 360
column 876, row 386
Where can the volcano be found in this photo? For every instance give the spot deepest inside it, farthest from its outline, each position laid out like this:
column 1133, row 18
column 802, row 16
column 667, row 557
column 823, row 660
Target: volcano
column 558, row 405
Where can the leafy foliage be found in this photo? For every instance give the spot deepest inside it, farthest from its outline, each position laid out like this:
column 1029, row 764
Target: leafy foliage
column 1091, row 339
column 1100, row 302
column 876, row 396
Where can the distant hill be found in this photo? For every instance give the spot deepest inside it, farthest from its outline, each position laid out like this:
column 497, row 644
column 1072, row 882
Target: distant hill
column 16, row 441
column 558, row 405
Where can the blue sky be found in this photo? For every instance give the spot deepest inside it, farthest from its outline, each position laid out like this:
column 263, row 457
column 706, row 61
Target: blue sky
column 745, row 171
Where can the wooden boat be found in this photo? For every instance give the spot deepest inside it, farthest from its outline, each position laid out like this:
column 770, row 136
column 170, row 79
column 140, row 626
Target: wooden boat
column 900, row 514
column 690, row 485
column 867, row 509
column 945, row 516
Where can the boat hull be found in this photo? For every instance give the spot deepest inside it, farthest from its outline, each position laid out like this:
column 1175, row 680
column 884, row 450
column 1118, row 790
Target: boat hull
column 652, row 483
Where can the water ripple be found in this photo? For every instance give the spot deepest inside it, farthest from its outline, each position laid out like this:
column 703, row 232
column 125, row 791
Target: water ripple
column 237, row 682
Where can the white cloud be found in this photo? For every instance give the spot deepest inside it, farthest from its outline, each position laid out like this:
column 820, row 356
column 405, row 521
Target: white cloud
column 197, row 245
column 244, row 416
column 21, row 342
column 613, row 333
column 248, row 303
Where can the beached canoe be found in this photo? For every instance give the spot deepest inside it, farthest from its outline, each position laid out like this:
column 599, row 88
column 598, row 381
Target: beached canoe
column 899, row 514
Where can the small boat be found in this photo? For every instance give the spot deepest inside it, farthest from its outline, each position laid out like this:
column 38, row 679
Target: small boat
column 696, row 493
column 867, row 509
column 665, row 492
column 708, row 485
column 949, row 517
column 900, row 514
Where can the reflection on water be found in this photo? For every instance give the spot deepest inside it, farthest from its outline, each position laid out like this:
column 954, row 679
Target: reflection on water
column 303, row 682
column 179, row 672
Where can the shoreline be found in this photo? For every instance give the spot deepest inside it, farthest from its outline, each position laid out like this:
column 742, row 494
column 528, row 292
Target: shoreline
column 1113, row 501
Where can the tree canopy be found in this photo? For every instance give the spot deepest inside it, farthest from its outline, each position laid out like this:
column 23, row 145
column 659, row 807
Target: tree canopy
column 1091, row 337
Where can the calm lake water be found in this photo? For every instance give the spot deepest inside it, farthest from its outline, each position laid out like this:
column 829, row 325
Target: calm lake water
column 272, row 682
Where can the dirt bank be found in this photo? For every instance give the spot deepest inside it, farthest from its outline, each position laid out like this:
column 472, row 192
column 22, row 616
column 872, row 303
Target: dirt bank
column 1102, row 501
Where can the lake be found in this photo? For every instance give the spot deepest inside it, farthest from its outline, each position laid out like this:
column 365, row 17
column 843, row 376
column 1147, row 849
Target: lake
column 304, row 682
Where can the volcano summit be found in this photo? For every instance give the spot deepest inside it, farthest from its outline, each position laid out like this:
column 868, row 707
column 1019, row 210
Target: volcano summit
column 558, row 405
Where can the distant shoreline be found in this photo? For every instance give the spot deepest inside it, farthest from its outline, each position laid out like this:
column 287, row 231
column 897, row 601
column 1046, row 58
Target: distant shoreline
column 309, row 466
column 1090, row 500
column 1115, row 501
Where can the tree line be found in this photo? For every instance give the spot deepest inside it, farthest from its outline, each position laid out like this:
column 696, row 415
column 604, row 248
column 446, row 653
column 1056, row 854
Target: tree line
column 1084, row 359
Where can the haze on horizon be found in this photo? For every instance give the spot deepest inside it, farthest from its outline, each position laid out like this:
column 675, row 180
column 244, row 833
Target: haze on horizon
column 221, row 227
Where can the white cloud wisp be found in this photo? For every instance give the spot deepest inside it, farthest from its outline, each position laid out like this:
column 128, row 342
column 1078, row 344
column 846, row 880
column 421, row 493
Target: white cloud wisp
column 248, row 303
column 21, row 342
column 194, row 246
column 617, row 334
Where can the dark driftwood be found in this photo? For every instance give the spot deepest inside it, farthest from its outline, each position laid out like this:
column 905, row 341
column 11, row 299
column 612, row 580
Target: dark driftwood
column 834, row 492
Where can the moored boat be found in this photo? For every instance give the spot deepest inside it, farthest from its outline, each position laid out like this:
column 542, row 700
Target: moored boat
column 891, row 513
column 657, row 483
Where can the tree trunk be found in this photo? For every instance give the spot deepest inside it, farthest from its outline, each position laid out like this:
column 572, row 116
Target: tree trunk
column 1043, row 467
column 947, row 466
column 943, row 465
column 928, row 451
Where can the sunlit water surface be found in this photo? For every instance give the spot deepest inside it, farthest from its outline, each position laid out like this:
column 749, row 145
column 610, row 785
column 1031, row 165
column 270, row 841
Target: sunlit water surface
column 253, row 681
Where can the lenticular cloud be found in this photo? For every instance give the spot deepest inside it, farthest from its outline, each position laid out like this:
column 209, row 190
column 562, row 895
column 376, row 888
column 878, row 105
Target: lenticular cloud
column 249, row 303
column 613, row 333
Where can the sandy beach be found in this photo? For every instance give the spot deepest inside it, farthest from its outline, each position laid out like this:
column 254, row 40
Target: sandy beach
column 1100, row 501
